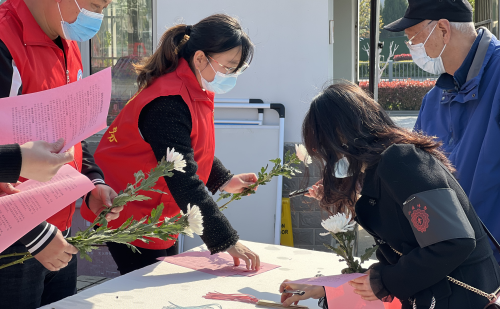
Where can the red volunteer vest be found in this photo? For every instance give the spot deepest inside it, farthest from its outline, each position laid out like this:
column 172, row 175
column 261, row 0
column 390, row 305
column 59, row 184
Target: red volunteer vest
column 42, row 66
column 122, row 150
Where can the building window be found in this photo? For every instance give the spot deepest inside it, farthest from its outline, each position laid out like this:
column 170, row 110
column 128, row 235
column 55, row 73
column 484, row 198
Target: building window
column 125, row 38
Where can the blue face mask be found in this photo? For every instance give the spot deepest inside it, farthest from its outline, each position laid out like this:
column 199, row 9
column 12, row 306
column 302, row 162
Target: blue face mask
column 222, row 83
column 85, row 27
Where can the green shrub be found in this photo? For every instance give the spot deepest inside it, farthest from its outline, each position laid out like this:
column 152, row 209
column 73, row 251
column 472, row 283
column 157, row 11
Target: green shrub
column 401, row 94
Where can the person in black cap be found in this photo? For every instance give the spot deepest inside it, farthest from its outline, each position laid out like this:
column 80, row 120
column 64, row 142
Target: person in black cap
column 463, row 109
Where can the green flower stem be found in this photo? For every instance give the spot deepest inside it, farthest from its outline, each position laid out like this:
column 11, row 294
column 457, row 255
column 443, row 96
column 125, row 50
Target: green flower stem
column 344, row 249
column 26, row 257
column 344, row 241
column 245, row 192
column 341, row 245
column 13, row 254
column 286, row 169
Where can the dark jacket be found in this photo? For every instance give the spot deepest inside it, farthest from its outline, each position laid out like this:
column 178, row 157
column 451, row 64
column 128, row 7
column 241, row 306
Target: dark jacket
column 10, row 163
column 411, row 203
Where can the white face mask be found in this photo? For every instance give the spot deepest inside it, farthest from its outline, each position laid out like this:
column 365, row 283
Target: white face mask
column 420, row 57
column 222, row 83
column 342, row 168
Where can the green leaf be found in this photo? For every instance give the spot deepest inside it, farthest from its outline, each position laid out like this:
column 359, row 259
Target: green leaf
column 83, row 254
column 138, row 198
column 155, row 217
column 139, row 176
column 223, row 196
column 126, row 223
column 276, row 161
column 368, row 253
column 329, row 247
column 337, row 250
column 102, row 222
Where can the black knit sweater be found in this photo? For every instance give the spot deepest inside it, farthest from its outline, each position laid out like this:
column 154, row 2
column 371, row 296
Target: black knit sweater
column 166, row 123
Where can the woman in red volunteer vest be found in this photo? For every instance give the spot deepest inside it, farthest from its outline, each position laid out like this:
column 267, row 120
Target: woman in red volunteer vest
column 174, row 108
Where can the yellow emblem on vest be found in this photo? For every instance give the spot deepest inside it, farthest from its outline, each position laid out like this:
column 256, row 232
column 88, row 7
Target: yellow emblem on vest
column 112, row 138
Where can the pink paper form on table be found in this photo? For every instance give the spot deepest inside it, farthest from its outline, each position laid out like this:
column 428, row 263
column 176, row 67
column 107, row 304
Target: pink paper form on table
column 331, row 281
column 343, row 297
column 38, row 201
column 74, row 112
column 220, row 264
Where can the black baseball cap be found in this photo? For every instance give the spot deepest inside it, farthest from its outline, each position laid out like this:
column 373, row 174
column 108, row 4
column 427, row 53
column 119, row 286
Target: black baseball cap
column 420, row 10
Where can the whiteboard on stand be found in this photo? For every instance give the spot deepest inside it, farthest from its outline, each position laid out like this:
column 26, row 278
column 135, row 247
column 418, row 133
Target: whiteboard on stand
column 246, row 149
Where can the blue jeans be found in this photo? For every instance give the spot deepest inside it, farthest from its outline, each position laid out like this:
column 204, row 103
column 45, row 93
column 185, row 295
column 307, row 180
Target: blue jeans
column 30, row 285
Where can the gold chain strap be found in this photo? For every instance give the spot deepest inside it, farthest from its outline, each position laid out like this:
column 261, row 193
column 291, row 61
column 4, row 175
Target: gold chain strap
column 490, row 297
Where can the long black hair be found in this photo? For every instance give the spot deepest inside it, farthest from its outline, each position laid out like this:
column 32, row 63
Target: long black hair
column 214, row 34
column 344, row 121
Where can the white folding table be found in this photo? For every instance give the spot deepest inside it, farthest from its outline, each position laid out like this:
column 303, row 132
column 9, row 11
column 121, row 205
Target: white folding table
column 154, row 286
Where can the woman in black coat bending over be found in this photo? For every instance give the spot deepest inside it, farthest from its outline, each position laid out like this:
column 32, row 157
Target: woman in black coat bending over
column 401, row 190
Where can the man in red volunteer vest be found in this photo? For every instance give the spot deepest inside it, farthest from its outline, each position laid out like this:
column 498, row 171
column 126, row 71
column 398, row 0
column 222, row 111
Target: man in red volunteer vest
column 38, row 51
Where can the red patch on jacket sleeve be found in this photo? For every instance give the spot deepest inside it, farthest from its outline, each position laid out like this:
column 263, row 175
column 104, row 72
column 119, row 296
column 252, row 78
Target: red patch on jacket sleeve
column 420, row 218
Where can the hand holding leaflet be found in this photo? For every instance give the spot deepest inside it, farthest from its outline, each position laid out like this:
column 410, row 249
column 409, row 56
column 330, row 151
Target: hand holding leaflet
column 21, row 212
column 42, row 160
column 73, row 112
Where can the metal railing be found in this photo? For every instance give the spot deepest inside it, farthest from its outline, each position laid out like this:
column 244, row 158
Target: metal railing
column 397, row 70
column 484, row 14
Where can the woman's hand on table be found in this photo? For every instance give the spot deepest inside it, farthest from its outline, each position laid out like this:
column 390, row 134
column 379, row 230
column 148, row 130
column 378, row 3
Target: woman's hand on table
column 239, row 251
column 240, row 182
column 311, row 291
column 363, row 288
column 316, row 190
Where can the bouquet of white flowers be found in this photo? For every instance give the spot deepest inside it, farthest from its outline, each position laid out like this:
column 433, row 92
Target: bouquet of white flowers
column 131, row 230
column 342, row 228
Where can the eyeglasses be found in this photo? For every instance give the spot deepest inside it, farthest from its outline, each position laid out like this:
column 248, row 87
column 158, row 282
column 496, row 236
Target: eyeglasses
column 410, row 41
column 231, row 70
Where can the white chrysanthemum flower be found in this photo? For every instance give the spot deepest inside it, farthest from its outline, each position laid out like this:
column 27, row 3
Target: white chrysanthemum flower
column 302, row 154
column 195, row 221
column 338, row 223
column 177, row 159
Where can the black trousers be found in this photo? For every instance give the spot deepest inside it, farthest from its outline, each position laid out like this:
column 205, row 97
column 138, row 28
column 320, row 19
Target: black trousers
column 30, row 285
column 128, row 261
